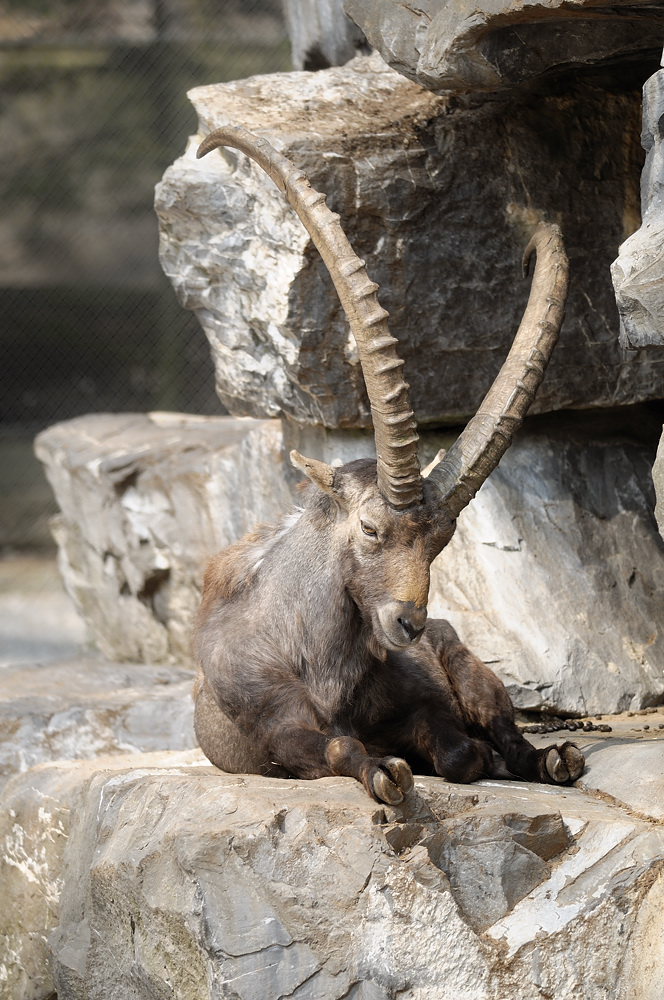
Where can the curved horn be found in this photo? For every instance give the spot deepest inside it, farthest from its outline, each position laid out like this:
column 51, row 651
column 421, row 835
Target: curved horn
column 486, row 438
column 399, row 478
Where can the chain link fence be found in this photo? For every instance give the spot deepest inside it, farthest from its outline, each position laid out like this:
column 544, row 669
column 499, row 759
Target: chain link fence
column 93, row 109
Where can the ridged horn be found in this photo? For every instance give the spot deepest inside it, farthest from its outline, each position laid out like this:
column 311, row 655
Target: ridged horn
column 486, row 438
column 395, row 431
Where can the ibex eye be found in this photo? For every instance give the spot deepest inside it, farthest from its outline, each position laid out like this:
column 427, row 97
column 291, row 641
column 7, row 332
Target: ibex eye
column 368, row 529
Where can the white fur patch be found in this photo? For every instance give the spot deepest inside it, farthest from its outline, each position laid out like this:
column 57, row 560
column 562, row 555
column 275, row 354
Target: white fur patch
column 288, row 521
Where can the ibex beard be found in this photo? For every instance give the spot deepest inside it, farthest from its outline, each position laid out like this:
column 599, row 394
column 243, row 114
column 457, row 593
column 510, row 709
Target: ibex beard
column 316, row 655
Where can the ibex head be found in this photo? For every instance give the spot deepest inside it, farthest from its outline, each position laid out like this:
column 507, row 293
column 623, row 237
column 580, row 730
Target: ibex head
column 384, row 553
column 399, row 519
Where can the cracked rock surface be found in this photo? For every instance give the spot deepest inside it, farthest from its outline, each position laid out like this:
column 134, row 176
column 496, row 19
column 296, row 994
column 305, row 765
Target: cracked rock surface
column 158, row 875
column 638, row 272
column 554, row 575
column 439, row 196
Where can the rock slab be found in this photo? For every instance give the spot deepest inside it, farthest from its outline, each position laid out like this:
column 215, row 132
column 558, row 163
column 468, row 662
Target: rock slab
column 161, row 876
column 439, row 196
column 144, row 500
column 461, row 47
column 87, row 707
column 555, row 574
column 658, row 481
column 321, row 34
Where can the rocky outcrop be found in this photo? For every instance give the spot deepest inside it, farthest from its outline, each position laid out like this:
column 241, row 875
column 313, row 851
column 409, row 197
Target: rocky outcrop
column 463, row 47
column 440, row 197
column 553, row 577
column 638, row 273
column 158, row 875
column 144, row 500
column 38, row 811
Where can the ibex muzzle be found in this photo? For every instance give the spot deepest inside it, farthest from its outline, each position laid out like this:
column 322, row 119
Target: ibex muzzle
column 316, row 654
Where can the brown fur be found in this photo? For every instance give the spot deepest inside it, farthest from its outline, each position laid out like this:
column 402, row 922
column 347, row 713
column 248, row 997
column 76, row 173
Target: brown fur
column 316, row 657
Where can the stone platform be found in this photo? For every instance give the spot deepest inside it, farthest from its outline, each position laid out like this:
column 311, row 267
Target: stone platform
column 156, row 875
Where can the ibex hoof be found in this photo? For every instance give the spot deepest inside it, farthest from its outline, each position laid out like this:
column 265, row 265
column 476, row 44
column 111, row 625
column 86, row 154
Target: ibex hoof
column 564, row 763
column 392, row 791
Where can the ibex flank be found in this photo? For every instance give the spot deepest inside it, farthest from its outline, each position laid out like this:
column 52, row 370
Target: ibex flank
column 316, row 655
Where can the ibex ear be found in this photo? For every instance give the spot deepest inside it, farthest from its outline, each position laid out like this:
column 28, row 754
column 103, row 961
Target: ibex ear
column 318, row 472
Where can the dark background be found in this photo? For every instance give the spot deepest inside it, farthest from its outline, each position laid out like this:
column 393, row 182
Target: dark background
column 93, row 108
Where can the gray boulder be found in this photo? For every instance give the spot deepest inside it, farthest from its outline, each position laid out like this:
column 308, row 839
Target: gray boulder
column 158, row 875
column 658, row 481
column 440, row 196
column 555, row 574
column 145, row 500
column 454, row 46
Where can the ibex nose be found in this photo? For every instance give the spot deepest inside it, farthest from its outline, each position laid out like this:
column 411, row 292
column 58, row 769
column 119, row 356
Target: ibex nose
column 409, row 628
column 401, row 623
column 413, row 626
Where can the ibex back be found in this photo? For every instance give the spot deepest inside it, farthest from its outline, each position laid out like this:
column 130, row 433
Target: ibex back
column 316, row 655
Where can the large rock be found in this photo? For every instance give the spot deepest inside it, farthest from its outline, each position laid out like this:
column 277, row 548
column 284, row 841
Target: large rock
column 553, row 578
column 440, row 197
column 627, row 765
column 37, row 812
column 458, row 46
column 159, row 876
column 638, row 273
column 145, row 499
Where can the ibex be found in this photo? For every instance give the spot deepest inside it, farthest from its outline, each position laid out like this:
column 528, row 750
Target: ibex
column 316, row 656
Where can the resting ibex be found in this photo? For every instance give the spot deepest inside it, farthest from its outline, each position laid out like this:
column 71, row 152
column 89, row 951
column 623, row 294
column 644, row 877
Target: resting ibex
column 315, row 650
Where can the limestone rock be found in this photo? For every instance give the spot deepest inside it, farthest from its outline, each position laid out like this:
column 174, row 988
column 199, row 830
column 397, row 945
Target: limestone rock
column 440, row 197
column 88, row 707
column 461, row 47
column 555, row 574
column 158, row 875
column 638, row 273
column 488, row 863
column 145, row 499
column 321, row 34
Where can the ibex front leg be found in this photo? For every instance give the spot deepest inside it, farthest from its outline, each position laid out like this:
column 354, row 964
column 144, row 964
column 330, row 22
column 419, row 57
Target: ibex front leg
column 387, row 779
column 307, row 752
column 486, row 706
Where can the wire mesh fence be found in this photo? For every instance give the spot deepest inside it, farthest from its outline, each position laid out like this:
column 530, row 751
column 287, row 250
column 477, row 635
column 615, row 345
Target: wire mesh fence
column 93, row 108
